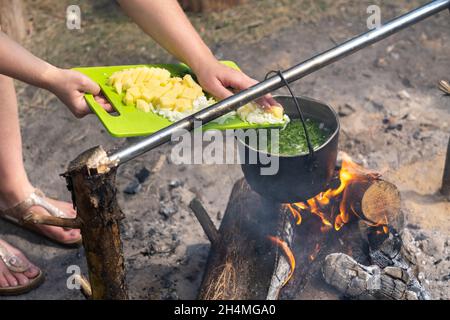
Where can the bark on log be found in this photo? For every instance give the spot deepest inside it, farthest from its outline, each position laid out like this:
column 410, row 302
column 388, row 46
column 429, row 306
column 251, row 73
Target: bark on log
column 243, row 263
column 12, row 21
column 91, row 179
column 209, row 5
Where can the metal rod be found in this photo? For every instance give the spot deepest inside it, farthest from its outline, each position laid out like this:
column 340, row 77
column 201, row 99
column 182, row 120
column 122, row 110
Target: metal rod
column 292, row 74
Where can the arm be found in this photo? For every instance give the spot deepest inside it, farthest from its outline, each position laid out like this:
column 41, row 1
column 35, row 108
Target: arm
column 166, row 23
column 68, row 85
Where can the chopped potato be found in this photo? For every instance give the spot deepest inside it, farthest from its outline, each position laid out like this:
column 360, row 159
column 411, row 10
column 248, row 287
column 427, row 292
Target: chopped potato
column 154, row 90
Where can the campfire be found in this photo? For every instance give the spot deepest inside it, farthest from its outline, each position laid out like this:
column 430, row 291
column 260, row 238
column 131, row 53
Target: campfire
column 347, row 236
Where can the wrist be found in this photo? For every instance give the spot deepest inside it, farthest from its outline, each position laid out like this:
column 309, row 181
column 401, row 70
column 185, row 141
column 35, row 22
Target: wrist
column 50, row 77
column 201, row 62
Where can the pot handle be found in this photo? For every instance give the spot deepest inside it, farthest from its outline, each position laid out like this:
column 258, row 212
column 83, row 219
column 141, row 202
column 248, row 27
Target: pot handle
column 300, row 113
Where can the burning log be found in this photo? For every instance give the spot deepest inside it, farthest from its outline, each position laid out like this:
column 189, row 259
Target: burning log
column 249, row 256
column 91, row 180
column 389, row 275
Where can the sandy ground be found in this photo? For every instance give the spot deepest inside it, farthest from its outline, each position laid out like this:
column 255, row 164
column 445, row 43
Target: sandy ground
column 393, row 117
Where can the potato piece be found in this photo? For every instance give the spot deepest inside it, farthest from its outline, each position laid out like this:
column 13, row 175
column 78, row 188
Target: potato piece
column 134, row 74
column 128, row 99
column 148, row 95
column 189, row 93
column 167, row 103
column 244, row 111
column 189, row 81
column 127, row 84
column 176, row 80
column 134, row 91
column 177, row 89
column 142, row 75
column 162, row 74
column 142, row 105
column 118, row 87
column 182, row 105
column 277, row 111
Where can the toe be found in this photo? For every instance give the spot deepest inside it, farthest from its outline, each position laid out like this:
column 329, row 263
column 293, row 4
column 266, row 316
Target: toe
column 3, row 282
column 12, row 281
column 21, row 278
column 32, row 272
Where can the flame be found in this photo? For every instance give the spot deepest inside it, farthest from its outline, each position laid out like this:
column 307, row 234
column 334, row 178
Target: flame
column 288, row 253
column 295, row 213
column 350, row 173
column 340, row 210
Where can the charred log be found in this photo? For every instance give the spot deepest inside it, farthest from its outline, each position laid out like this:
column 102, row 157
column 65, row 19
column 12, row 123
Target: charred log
column 387, row 275
column 445, row 188
column 245, row 262
column 357, row 281
column 91, row 179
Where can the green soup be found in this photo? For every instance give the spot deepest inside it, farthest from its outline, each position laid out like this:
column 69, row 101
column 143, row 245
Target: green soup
column 292, row 139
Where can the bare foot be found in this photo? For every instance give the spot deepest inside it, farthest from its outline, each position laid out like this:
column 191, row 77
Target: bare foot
column 14, row 279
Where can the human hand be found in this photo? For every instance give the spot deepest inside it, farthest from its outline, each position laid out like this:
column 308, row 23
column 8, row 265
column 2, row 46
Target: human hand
column 70, row 86
column 222, row 81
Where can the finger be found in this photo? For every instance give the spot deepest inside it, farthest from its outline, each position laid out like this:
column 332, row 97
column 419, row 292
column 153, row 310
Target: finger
column 81, row 109
column 104, row 103
column 218, row 90
column 89, row 86
column 238, row 80
column 267, row 101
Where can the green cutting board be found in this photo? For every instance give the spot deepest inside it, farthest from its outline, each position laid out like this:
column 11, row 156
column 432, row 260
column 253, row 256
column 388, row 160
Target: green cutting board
column 128, row 121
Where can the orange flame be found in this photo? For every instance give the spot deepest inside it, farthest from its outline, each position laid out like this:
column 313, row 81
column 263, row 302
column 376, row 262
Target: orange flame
column 350, row 173
column 287, row 252
column 295, row 213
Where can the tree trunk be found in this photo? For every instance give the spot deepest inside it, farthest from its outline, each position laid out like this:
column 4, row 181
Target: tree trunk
column 12, row 20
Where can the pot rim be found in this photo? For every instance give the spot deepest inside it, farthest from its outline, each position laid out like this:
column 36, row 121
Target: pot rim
column 330, row 138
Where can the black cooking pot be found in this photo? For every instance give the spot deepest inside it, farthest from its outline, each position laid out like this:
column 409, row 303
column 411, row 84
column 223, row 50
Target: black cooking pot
column 299, row 177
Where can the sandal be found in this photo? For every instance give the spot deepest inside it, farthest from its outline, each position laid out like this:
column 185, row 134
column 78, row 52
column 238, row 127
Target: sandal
column 15, row 264
column 36, row 198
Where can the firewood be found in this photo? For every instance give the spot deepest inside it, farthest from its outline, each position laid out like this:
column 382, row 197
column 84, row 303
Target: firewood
column 357, row 281
column 91, row 179
column 204, row 219
column 445, row 188
column 381, row 201
column 243, row 263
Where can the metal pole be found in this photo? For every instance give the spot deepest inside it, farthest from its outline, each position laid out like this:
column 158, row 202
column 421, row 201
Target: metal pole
column 297, row 72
